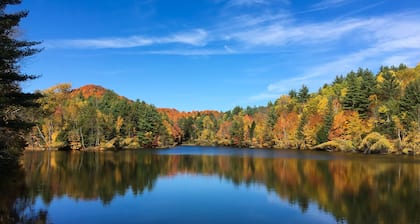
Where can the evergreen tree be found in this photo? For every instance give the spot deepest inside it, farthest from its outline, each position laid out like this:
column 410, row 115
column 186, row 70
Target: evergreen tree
column 149, row 125
column 410, row 104
column 300, row 133
column 237, row 110
column 272, row 118
column 237, row 131
column 323, row 132
column 251, row 130
column 389, row 88
column 338, row 79
column 13, row 100
column 187, row 127
column 368, row 88
column 360, row 86
column 303, row 94
column 293, row 94
column 389, row 92
column 353, row 94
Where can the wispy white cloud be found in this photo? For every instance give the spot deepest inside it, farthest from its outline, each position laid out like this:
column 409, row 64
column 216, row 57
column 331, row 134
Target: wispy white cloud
column 190, row 52
column 276, row 34
column 362, row 9
column 197, row 37
column 246, row 2
column 228, row 49
column 324, row 4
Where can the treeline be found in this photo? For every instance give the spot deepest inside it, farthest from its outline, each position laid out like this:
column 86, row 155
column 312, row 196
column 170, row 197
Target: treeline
column 358, row 111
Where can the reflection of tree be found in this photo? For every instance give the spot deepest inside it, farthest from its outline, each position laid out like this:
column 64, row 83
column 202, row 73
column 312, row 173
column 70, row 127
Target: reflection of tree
column 15, row 203
column 358, row 191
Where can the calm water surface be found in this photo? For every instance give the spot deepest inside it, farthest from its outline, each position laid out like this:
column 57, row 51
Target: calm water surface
column 213, row 185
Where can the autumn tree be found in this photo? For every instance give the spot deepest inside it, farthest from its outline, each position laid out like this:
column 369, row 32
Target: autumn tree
column 237, row 130
column 13, row 101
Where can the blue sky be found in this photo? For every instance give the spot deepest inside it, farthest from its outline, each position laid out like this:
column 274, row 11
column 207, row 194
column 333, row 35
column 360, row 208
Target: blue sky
column 214, row 54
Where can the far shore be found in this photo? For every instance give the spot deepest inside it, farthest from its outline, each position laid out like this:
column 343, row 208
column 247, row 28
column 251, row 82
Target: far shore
column 313, row 149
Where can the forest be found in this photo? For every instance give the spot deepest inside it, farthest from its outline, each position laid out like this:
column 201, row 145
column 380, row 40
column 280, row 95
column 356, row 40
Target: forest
column 359, row 111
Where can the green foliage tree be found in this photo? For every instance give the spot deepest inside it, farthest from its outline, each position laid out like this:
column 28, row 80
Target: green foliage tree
column 303, row 94
column 389, row 88
column 13, row 101
column 389, row 92
column 187, row 127
column 323, row 132
column 237, row 130
column 251, row 130
column 292, row 94
column 300, row 133
column 410, row 104
column 149, row 125
column 360, row 86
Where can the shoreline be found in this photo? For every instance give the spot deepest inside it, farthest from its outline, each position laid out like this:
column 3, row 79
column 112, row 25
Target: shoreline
column 312, row 149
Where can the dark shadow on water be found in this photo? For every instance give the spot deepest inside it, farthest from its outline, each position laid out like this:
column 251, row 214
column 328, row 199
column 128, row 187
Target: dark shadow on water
column 16, row 205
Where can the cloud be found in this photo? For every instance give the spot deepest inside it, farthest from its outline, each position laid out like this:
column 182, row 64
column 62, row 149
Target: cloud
column 276, row 34
column 228, row 49
column 386, row 41
column 271, row 32
column 247, row 2
column 325, row 4
column 197, row 37
column 190, row 52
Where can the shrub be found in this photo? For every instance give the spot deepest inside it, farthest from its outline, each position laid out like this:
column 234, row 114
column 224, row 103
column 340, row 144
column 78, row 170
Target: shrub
column 335, row 145
column 376, row 143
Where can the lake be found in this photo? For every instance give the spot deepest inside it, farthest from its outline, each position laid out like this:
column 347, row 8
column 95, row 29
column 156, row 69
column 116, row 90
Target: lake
column 190, row 184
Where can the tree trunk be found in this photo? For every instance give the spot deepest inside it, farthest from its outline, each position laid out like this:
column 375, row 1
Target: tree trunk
column 82, row 139
column 43, row 137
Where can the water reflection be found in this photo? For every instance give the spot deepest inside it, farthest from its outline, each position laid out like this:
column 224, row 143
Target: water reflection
column 358, row 190
column 16, row 205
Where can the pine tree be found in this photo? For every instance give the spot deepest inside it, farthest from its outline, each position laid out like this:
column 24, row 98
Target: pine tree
column 149, row 126
column 13, row 100
column 293, row 94
column 251, row 130
column 410, row 103
column 324, row 131
column 360, row 86
column 303, row 94
column 300, row 133
column 353, row 94
column 368, row 88
column 389, row 88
